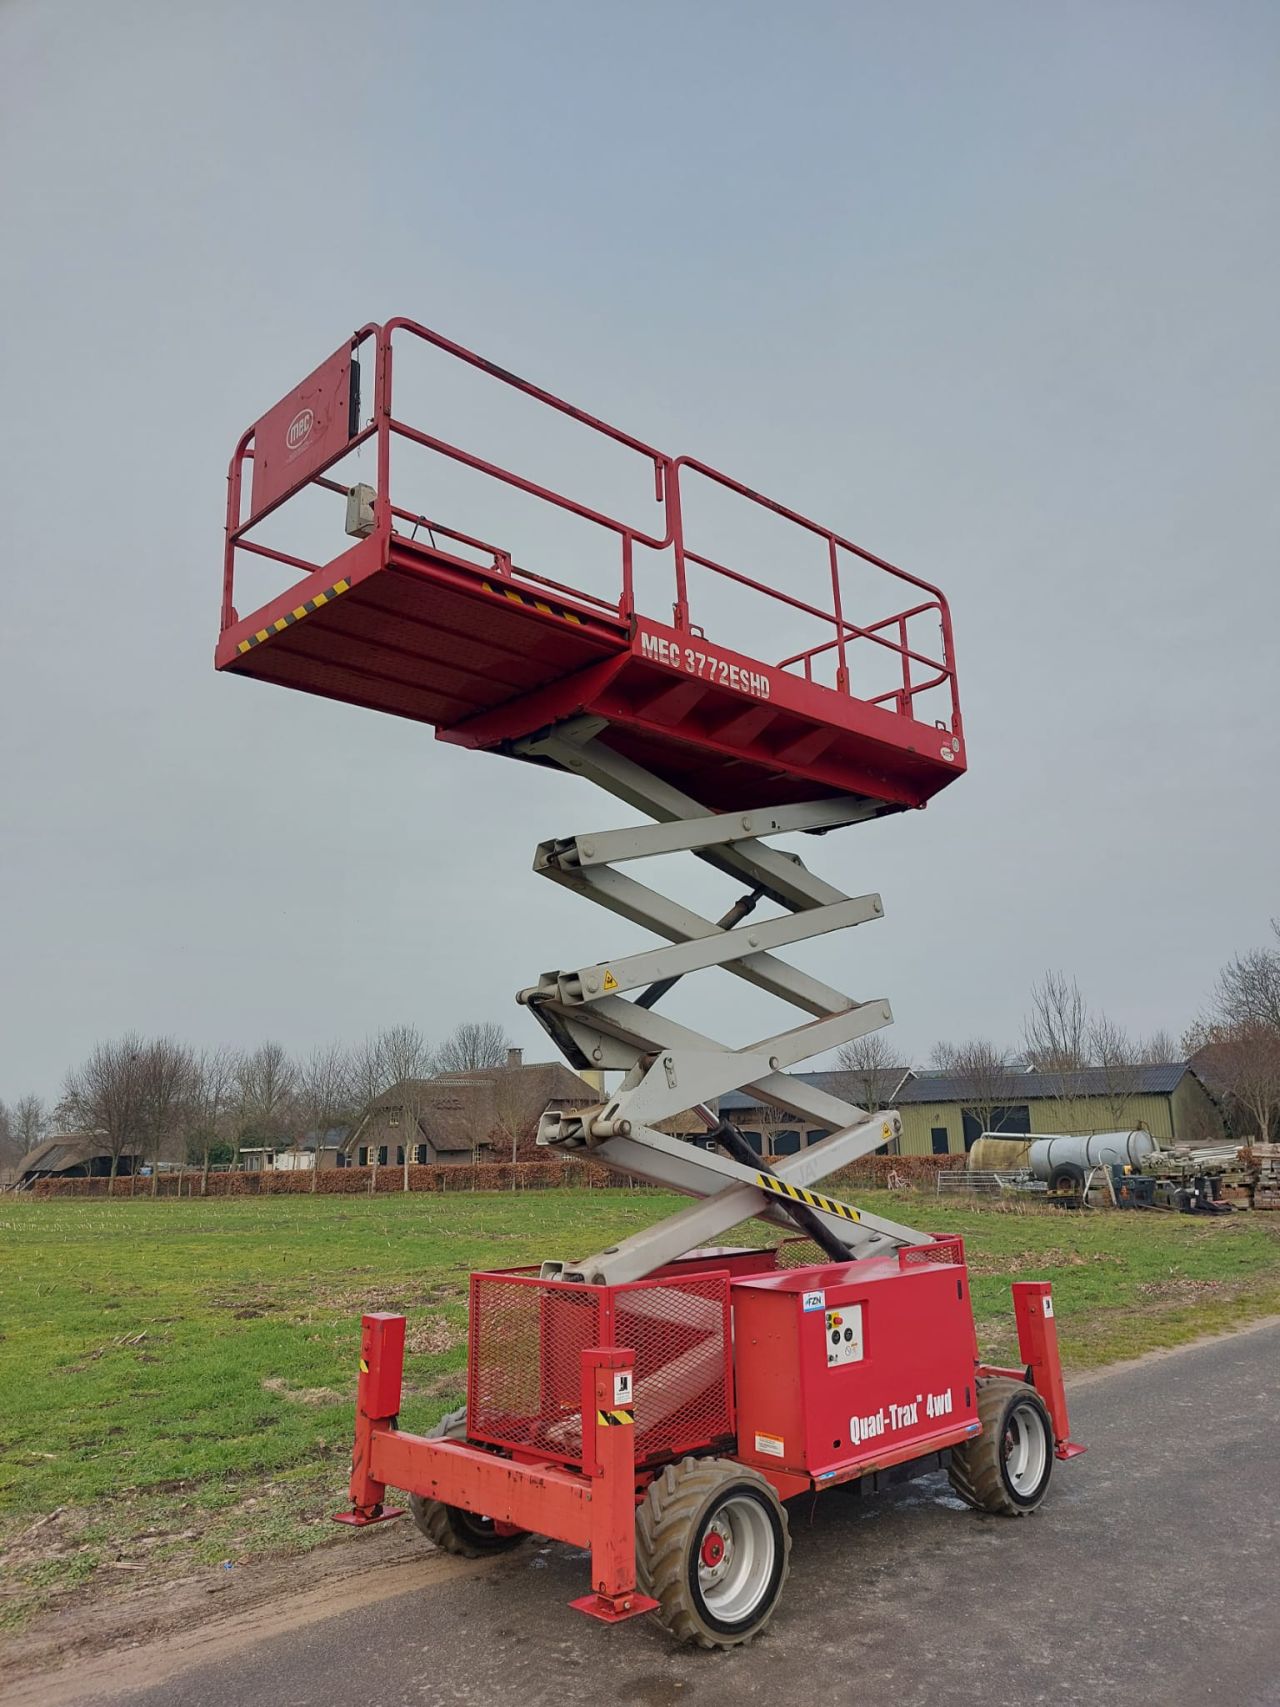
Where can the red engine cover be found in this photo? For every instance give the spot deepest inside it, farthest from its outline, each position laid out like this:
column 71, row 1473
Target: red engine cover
column 851, row 1366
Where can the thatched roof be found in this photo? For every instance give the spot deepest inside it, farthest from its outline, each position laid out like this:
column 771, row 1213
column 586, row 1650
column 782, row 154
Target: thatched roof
column 64, row 1150
column 458, row 1111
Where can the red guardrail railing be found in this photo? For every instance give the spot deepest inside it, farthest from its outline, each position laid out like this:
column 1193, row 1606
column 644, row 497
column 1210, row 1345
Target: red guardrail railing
column 383, row 426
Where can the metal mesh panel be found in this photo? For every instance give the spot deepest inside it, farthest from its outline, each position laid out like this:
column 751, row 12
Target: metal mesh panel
column 525, row 1371
column 939, row 1251
column 678, row 1333
column 524, row 1374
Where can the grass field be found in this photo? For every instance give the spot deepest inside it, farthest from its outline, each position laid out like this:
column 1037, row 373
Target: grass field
column 176, row 1379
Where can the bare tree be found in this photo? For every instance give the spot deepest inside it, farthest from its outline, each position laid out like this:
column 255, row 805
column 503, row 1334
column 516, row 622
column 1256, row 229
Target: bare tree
column 473, row 1044
column 1115, row 1055
column 1237, row 1044
column 1158, row 1050
column 324, row 1091
column 1248, row 989
column 11, row 1150
column 399, row 1052
column 1056, row 1030
column 29, row 1119
column 368, row 1072
column 415, row 1098
column 405, row 1053
column 1245, row 1060
column 211, row 1105
column 876, row 1072
column 984, row 1079
column 104, row 1096
column 166, row 1069
column 324, row 1097
column 510, row 1116
column 266, row 1079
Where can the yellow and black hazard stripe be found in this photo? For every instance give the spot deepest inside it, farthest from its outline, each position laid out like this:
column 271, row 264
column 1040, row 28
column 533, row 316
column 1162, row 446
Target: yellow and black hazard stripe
column 615, row 1419
column 797, row 1194
column 296, row 615
column 518, row 598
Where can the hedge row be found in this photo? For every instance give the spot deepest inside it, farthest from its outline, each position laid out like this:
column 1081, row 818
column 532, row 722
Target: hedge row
column 878, row 1171
column 873, row 1171
column 483, row 1176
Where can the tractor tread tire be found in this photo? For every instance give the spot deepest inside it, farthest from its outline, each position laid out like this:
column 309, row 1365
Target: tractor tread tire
column 448, row 1527
column 666, row 1518
column 976, row 1471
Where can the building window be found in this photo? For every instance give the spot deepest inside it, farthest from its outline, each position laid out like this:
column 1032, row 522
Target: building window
column 816, row 1134
column 364, row 1155
column 786, row 1143
column 938, row 1138
column 382, row 1155
column 400, row 1156
column 753, row 1138
column 420, row 1153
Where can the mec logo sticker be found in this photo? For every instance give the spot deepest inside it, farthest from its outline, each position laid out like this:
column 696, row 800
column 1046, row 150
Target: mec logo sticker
column 300, row 429
column 814, row 1301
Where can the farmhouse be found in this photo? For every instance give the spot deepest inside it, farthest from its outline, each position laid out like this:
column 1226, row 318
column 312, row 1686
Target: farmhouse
column 942, row 1114
column 478, row 1115
column 71, row 1155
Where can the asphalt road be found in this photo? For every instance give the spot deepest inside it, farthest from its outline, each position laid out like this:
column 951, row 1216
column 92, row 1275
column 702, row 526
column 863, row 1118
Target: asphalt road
column 1151, row 1575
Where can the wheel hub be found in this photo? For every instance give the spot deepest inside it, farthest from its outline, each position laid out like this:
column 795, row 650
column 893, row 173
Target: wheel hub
column 1024, row 1449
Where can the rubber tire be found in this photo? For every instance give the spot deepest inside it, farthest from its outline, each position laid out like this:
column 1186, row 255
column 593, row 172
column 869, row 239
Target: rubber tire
column 451, row 1528
column 977, row 1469
column 670, row 1523
column 1067, row 1181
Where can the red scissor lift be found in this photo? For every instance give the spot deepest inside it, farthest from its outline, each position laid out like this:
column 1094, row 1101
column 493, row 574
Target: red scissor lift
column 657, row 1401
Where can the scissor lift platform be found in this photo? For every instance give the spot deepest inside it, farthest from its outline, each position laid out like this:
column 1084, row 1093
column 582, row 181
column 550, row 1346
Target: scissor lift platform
column 657, row 1402
column 425, row 622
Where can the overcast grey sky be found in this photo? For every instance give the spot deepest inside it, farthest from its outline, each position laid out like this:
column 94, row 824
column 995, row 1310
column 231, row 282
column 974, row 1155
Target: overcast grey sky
column 991, row 288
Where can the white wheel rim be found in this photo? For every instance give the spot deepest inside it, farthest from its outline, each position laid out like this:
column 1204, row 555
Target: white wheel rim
column 1025, row 1449
column 733, row 1587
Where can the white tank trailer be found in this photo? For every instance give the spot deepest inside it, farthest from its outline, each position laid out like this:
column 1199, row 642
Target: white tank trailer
column 1061, row 1158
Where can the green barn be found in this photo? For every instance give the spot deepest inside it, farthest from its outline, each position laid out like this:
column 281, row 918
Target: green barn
column 943, row 1114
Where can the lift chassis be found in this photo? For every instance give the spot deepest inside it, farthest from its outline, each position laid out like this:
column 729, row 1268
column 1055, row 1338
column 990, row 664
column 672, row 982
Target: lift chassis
column 656, row 1402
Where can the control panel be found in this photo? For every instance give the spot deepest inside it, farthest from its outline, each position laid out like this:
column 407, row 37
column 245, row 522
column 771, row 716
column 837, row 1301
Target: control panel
column 844, row 1336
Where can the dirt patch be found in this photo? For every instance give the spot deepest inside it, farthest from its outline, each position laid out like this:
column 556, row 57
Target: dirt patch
column 354, row 1302
column 1182, row 1290
column 302, row 1395
column 450, row 1384
column 434, row 1335
column 204, row 1614
column 1037, row 1261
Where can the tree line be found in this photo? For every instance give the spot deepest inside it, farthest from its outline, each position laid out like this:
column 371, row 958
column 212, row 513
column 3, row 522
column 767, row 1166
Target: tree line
column 159, row 1099
column 1234, row 1043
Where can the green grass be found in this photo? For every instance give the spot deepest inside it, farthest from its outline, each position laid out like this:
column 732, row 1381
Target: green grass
column 178, row 1377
